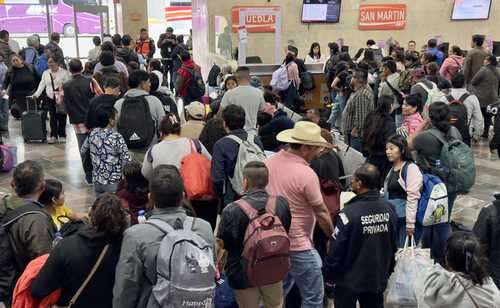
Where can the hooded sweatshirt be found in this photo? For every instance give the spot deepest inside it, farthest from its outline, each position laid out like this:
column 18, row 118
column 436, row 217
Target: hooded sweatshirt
column 451, row 66
column 444, row 289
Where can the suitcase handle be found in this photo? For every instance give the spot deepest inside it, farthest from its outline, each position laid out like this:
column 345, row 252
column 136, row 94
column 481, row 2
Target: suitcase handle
column 32, row 98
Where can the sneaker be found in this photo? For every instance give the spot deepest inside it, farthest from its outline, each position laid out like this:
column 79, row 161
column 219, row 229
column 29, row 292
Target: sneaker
column 62, row 140
column 51, row 140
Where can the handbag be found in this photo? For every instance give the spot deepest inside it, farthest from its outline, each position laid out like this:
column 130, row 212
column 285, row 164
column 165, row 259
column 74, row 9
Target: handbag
column 87, row 280
column 58, row 97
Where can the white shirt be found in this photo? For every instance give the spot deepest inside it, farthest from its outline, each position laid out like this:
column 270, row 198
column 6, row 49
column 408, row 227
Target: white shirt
column 60, row 77
column 94, row 53
column 311, row 60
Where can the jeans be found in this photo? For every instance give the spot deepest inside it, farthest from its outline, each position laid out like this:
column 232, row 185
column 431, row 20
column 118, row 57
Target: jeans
column 487, row 121
column 346, row 298
column 402, row 232
column 355, row 143
column 101, row 189
column 338, row 108
column 4, row 115
column 305, row 271
column 86, row 161
column 57, row 121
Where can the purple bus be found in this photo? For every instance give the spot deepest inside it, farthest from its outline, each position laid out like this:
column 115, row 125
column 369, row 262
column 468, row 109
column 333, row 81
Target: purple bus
column 30, row 16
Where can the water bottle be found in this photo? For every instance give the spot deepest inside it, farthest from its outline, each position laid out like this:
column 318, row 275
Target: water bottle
column 57, row 238
column 141, row 218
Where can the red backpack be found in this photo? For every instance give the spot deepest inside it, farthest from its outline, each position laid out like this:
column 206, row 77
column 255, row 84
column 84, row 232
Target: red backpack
column 266, row 245
column 195, row 172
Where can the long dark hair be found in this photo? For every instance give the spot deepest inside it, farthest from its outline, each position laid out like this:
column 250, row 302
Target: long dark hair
column 375, row 120
column 311, row 51
column 212, row 132
column 464, row 255
column 53, row 189
column 439, row 113
column 290, row 57
column 401, row 143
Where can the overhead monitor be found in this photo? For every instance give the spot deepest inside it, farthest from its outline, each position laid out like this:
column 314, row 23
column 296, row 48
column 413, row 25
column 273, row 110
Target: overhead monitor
column 471, row 9
column 321, row 11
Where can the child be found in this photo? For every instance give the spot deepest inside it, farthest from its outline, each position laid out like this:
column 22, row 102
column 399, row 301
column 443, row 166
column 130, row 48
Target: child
column 108, row 152
column 133, row 190
column 53, row 200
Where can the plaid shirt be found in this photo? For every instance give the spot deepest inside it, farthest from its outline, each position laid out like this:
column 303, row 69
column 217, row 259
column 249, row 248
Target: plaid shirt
column 357, row 108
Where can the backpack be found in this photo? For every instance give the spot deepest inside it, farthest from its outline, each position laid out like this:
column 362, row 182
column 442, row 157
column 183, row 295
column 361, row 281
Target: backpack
column 433, row 95
column 330, row 71
column 458, row 162
column 7, row 158
column 30, row 55
column 136, row 123
column 41, row 64
column 405, row 81
column 167, row 101
column 399, row 97
column 458, row 115
column 212, row 75
column 185, row 267
column 266, row 245
column 8, row 264
column 307, row 81
column 195, row 172
column 432, row 208
column 247, row 152
column 279, row 80
column 196, row 87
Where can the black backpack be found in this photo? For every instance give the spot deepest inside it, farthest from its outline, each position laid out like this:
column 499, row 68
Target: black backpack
column 196, row 87
column 136, row 123
column 307, row 81
column 458, row 115
column 9, row 270
column 167, row 101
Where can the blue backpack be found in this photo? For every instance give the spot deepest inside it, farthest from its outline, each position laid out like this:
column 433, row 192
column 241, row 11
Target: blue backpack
column 41, row 64
column 432, row 208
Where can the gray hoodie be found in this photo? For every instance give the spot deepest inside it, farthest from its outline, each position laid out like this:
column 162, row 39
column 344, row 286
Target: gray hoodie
column 442, row 289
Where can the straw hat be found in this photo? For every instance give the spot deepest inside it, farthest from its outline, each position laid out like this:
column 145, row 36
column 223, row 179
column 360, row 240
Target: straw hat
column 304, row 132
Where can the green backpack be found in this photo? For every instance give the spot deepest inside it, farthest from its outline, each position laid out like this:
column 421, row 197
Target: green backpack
column 457, row 159
column 405, row 81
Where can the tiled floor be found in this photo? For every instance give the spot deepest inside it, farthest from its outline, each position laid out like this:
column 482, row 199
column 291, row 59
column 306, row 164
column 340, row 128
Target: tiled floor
column 62, row 161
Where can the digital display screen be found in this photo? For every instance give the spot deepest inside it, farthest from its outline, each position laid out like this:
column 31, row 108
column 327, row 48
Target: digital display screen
column 321, row 11
column 471, row 9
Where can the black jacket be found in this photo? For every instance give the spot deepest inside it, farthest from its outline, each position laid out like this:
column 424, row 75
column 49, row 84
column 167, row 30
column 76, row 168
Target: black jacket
column 96, row 102
column 22, row 82
column 361, row 254
column 70, row 263
column 232, row 228
column 77, row 96
column 487, row 229
column 127, row 55
column 268, row 132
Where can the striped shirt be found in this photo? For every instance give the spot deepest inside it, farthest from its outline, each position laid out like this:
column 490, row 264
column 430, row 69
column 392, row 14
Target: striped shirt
column 357, row 108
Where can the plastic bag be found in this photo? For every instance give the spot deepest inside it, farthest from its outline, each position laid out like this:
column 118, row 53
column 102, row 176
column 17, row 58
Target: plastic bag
column 402, row 286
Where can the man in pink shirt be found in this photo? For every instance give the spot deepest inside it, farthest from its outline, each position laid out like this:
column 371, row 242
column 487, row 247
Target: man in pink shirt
column 291, row 176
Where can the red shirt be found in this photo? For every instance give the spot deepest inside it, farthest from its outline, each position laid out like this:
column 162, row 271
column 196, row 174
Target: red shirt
column 185, row 74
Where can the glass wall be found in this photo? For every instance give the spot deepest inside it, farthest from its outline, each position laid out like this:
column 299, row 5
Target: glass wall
column 77, row 21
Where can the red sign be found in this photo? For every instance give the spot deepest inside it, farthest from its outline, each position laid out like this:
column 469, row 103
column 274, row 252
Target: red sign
column 262, row 22
column 178, row 13
column 382, row 16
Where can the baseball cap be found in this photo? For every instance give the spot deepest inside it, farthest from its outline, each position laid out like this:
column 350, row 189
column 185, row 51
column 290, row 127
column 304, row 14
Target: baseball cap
column 196, row 110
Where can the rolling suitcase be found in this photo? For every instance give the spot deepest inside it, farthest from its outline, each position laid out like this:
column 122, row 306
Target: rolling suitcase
column 33, row 122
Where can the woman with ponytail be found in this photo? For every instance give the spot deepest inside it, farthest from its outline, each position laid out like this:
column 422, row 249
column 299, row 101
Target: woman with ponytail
column 464, row 281
column 170, row 151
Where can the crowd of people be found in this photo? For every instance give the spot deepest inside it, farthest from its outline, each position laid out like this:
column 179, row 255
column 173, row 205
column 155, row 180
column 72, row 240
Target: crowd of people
column 237, row 201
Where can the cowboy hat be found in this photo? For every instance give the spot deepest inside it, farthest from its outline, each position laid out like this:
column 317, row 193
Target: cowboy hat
column 304, row 132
